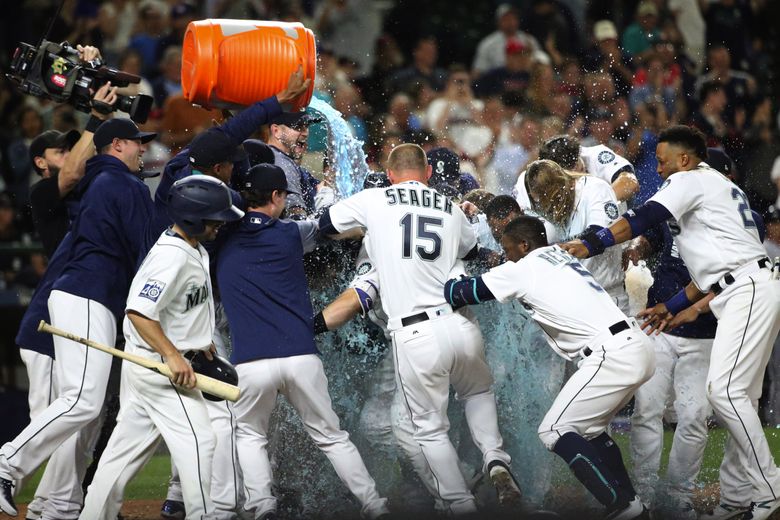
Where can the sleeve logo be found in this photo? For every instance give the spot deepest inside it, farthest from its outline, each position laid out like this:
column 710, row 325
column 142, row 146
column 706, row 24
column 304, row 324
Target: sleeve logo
column 606, row 157
column 152, row 290
column 611, row 209
column 364, row 268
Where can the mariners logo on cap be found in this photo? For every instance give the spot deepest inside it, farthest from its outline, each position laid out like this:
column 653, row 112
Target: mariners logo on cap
column 610, row 208
column 606, row 157
column 152, row 290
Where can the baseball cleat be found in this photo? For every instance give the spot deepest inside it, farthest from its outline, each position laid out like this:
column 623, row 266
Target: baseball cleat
column 635, row 510
column 7, row 504
column 173, row 510
column 508, row 491
column 725, row 511
column 763, row 510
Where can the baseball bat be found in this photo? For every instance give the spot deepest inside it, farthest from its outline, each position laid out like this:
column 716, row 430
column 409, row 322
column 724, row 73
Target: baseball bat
column 204, row 383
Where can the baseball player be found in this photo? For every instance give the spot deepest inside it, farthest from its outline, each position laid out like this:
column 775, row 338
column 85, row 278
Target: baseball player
column 88, row 296
column 718, row 241
column 580, row 321
column 265, row 294
column 424, row 237
column 575, row 203
column 170, row 313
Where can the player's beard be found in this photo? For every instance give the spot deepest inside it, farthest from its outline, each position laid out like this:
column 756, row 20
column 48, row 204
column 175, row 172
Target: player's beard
column 295, row 147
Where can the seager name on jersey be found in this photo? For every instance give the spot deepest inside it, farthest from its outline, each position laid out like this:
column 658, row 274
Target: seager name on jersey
column 196, row 296
column 425, row 198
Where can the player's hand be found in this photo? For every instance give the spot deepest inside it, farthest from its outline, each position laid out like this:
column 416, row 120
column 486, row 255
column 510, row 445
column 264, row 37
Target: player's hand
column 88, row 53
column 657, row 319
column 296, row 86
column 469, row 208
column 210, row 352
column 575, row 248
column 182, row 373
column 103, row 101
column 685, row 316
column 630, row 255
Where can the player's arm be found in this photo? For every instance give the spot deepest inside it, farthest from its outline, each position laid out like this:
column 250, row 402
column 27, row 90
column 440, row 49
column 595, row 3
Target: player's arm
column 151, row 332
column 346, row 219
column 359, row 298
column 625, row 185
column 661, row 316
column 74, row 166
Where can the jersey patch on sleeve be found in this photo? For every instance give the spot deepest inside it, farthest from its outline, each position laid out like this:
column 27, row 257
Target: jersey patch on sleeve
column 152, row 290
column 606, row 157
column 611, row 209
column 364, row 268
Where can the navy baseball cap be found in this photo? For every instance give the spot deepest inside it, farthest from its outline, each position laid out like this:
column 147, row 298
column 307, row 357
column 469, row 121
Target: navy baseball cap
column 447, row 189
column 213, row 147
column 376, row 180
column 445, row 164
column 119, row 129
column 52, row 139
column 264, row 177
column 719, row 160
column 258, row 152
column 296, row 120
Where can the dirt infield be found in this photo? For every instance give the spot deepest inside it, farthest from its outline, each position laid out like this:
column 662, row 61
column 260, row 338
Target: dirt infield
column 131, row 510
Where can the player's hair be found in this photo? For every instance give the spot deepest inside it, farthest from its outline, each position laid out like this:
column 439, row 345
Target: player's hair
column 563, row 149
column 479, row 197
column 256, row 198
column 526, row 228
column 407, row 156
column 502, row 206
column 685, row 137
column 551, row 190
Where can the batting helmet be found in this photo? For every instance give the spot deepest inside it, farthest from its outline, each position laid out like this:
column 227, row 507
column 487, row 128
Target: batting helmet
column 218, row 368
column 197, row 198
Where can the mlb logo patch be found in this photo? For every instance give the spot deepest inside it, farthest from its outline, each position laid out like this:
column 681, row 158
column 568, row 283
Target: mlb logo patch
column 152, row 290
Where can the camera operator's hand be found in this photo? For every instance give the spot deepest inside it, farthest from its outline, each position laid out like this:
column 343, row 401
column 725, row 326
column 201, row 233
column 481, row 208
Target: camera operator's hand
column 88, row 53
column 103, row 101
column 295, row 87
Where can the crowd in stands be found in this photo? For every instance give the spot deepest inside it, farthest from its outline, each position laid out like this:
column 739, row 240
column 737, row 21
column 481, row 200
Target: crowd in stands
column 612, row 73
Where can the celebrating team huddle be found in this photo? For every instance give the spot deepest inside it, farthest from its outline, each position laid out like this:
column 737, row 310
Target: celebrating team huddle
column 214, row 252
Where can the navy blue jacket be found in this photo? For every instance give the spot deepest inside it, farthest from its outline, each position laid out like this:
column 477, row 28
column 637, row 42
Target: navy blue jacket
column 109, row 234
column 670, row 275
column 264, row 290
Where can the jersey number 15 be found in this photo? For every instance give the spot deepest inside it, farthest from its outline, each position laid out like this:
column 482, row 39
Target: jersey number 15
column 422, row 232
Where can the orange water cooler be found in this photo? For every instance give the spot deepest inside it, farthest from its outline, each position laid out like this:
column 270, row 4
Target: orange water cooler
column 234, row 63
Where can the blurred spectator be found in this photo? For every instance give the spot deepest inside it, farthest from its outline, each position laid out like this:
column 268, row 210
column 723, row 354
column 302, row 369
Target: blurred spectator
column 388, row 59
column 739, row 87
column 638, row 37
column 775, row 176
column 541, row 88
column 772, row 240
column 510, row 80
column 400, row 117
column 330, row 75
column 621, row 118
column 553, row 26
column 757, row 158
column 152, row 18
column 495, row 117
column 500, row 174
column 690, row 23
column 640, row 149
column 181, row 15
column 9, row 233
column 347, row 100
column 491, row 50
column 423, row 68
column 600, row 129
column 652, row 84
column 17, row 178
column 30, row 275
column 168, row 84
column 727, row 24
column 711, row 116
column 599, row 92
column 607, row 57
column 350, row 27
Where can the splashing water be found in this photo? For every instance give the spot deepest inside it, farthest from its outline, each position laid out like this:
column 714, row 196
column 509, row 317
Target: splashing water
column 347, row 157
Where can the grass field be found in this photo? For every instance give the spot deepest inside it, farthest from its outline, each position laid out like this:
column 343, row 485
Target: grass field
column 152, row 482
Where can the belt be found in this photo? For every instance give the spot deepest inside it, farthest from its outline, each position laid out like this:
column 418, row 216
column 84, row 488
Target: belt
column 614, row 329
column 425, row 315
column 731, row 277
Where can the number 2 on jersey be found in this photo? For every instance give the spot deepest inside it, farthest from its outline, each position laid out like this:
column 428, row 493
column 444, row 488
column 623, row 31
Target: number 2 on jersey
column 422, row 233
column 743, row 207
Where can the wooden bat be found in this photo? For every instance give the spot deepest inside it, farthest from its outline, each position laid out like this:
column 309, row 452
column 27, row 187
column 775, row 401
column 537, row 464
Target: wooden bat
column 204, row 383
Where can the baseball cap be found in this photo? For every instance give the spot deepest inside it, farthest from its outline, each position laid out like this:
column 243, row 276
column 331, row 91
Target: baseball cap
column 296, row 120
column 119, row 129
column 604, row 30
column 213, row 147
column 647, row 9
column 376, row 180
column 258, row 152
column 446, row 189
column 719, row 160
column 264, row 177
column 515, row 46
column 52, row 139
column 445, row 164
column 503, row 9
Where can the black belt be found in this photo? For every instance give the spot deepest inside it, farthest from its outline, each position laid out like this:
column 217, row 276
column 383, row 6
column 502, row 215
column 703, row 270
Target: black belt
column 614, row 329
column 729, row 278
column 414, row 318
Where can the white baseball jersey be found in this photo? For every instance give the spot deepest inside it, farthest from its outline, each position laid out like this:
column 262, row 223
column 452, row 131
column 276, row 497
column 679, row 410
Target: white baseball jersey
column 559, row 294
column 419, row 235
column 713, row 226
column 172, row 286
column 600, row 161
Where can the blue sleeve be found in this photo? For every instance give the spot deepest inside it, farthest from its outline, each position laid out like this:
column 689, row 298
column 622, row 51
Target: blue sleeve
column 466, row 291
column 239, row 127
column 645, row 216
column 326, row 226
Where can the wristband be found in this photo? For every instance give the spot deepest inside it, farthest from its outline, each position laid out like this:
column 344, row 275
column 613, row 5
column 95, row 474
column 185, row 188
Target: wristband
column 597, row 242
column 319, row 324
column 92, row 124
column 678, row 302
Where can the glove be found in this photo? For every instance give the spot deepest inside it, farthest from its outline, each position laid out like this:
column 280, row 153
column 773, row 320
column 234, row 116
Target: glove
column 219, row 368
column 366, row 301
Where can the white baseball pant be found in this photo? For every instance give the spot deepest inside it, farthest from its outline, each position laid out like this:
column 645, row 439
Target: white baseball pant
column 748, row 313
column 605, row 381
column 153, row 408
column 301, row 380
column 82, row 375
column 681, row 369
column 430, row 355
